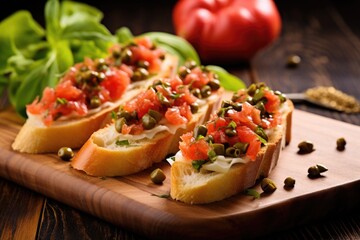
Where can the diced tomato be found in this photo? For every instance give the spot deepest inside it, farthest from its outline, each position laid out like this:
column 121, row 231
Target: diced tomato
column 144, row 41
column 197, row 78
column 273, row 102
column 143, row 103
column 174, row 116
column 116, row 82
column 246, row 135
column 248, row 116
column 68, row 91
column 193, row 150
column 132, row 129
column 216, row 124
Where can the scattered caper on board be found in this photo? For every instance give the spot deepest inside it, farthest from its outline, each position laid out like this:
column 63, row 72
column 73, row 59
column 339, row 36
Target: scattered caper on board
column 157, row 176
column 305, row 147
column 316, row 170
column 293, row 61
column 289, row 182
column 66, row 153
column 267, row 185
column 340, row 144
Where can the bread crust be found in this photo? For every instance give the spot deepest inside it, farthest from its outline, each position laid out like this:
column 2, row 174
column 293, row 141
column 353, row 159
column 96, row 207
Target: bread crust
column 35, row 137
column 96, row 160
column 192, row 187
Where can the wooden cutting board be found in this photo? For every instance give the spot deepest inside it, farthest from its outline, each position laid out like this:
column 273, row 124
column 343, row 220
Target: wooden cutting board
column 134, row 202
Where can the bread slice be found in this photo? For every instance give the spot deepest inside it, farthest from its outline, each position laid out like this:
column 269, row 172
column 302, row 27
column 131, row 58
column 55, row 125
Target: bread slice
column 193, row 187
column 96, row 158
column 35, row 137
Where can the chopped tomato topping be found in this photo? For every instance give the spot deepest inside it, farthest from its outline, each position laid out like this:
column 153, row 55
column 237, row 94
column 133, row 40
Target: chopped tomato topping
column 194, row 150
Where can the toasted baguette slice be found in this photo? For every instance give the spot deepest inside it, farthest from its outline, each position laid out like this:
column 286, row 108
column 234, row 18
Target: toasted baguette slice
column 192, row 187
column 35, row 137
column 97, row 159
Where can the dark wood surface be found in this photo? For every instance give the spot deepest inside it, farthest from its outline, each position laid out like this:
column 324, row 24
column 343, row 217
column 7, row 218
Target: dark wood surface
column 325, row 33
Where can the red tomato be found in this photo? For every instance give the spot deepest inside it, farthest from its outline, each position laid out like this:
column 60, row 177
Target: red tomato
column 143, row 103
column 116, row 82
column 246, row 135
column 173, row 115
column 227, row 31
column 193, row 150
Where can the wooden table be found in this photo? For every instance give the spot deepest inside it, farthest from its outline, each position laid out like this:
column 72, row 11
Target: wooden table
column 324, row 33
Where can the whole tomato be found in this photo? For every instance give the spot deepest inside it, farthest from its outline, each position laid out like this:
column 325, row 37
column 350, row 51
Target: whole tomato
column 227, row 30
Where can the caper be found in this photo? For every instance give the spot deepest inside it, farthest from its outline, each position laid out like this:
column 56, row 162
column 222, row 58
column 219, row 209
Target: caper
column 205, row 91
column 313, row 171
column 237, row 106
column 340, row 144
column 260, row 131
column 126, row 56
column 148, row 122
column 196, row 92
column 101, row 64
column 116, row 54
column 140, row 74
column 214, row 84
column 163, row 100
column 305, row 147
column 184, row 71
column 293, row 61
column 232, row 152
column 219, row 148
column 124, row 114
column 281, row 96
column 259, row 94
column 155, row 114
column 200, row 130
column 95, row 102
column 66, row 153
column 230, row 132
column 289, row 182
column 194, row 107
column 157, row 176
column 251, row 89
column 241, row 146
column 143, row 64
column 119, row 123
column 267, row 185
column 321, row 168
column 225, row 104
column 209, row 139
column 190, row 64
column 260, row 106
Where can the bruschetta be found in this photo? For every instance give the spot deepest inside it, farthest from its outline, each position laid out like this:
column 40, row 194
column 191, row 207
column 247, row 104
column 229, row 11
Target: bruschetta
column 81, row 102
column 147, row 128
column 237, row 146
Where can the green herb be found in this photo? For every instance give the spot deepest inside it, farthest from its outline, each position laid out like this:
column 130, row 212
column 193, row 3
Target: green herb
column 33, row 58
column 212, row 155
column 252, row 192
column 122, row 142
column 232, row 125
column 197, row 164
column 166, row 195
column 113, row 115
column 227, row 81
column 61, row 101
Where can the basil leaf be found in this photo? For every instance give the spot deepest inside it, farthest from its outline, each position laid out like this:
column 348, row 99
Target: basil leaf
column 52, row 21
column 179, row 45
column 40, row 76
column 64, row 58
column 73, row 12
column 12, row 32
column 124, row 35
column 122, row 142
column 227, row 80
